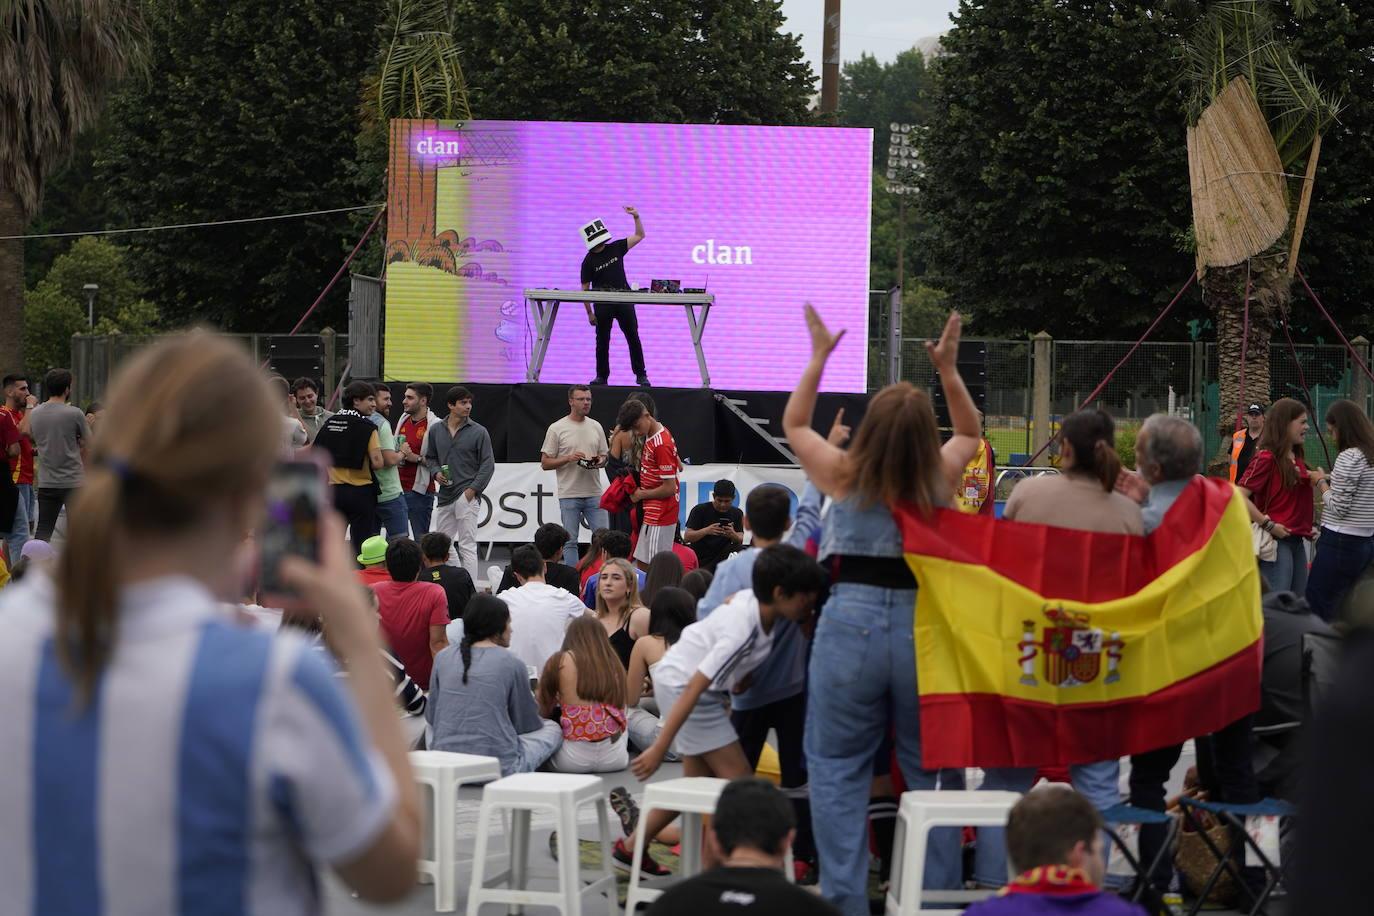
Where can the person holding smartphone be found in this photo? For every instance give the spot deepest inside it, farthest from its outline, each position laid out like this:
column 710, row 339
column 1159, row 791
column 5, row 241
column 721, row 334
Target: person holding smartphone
column 159, row 756
column 715, row 529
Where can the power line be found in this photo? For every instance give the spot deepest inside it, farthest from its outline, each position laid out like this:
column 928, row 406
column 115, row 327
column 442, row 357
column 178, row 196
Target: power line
column 222, row 222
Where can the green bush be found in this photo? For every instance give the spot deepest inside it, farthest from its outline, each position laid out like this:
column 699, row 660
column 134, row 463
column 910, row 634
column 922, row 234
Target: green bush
column 1125, row 445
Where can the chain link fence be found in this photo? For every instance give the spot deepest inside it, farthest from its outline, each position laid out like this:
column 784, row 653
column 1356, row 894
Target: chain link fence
column 1162, row 377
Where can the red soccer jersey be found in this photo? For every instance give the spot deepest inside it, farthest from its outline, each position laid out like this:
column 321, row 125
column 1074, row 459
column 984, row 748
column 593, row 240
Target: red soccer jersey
column 658, row 466
column 414, row 435
column 21, row 467
column 408, row 610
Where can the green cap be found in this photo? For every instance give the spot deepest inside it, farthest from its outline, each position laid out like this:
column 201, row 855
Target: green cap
column 374, row 551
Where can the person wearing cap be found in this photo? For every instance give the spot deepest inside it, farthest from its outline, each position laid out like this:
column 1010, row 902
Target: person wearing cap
column 372, row 559
column 715, row 529
column 604, row 269
column 1244, row 441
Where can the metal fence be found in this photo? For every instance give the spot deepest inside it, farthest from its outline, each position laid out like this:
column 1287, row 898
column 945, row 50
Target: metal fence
column 1174, row 377
column 95, row 357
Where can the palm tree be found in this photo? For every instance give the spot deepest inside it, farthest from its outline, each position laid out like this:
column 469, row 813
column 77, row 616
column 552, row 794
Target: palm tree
column 58, row 61
column 1236, row 41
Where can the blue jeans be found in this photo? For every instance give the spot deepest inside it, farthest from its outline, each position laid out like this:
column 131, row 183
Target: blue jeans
column 863, row 676
column 419, row 506
column 18, row 533
column 1098, row 782
column 1340, row 560
column 391, row 515
column 1287, row 572
column 575, row 512
column 30, row 504
column 538, row 746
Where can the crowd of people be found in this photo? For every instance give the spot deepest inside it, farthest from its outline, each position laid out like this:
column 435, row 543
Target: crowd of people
column 672, row 637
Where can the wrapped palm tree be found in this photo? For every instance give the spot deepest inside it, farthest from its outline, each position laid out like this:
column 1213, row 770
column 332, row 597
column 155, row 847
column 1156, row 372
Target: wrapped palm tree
column 58, row 61
column 1256, row 119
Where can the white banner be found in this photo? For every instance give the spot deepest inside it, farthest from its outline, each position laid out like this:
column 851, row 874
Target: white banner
column 522, row 495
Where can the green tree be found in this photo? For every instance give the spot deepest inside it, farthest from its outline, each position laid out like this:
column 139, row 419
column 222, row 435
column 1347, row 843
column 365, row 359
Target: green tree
column 1054, row 179
column 58, row 59
column 58, row 305
column 596, row 60
column 253, row 110
column 875, row 94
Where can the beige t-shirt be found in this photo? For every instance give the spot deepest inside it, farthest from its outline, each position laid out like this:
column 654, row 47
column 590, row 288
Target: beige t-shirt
column 567, row 436
column 1073, row 501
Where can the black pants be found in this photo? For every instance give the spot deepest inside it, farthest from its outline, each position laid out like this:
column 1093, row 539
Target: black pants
column 1149, row 774
column 50, row 503
column 606, row 312
column 788, row 718
column 358, row 506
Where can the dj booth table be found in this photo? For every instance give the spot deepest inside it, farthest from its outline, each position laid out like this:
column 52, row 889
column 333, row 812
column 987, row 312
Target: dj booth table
column 544, row 304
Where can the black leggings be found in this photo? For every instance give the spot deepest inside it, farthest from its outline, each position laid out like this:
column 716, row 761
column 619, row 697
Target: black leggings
column 358, row 506
column 788, row 718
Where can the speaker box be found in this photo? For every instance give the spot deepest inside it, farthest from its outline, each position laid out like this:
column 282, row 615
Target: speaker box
column 298, row 356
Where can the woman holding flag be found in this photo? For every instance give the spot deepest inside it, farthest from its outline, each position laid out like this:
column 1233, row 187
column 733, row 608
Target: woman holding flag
column 863, row 664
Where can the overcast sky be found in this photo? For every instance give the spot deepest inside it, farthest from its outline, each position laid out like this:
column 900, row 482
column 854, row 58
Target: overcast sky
column 879, row 27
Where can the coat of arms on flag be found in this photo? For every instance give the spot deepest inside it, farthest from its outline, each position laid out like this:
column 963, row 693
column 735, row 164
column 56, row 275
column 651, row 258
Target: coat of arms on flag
column 1043, row 646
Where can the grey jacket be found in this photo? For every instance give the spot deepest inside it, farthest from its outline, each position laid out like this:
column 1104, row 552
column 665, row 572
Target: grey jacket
column 468, row 455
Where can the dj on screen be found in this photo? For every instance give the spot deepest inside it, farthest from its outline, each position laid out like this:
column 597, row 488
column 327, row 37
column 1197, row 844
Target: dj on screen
column 604, row 269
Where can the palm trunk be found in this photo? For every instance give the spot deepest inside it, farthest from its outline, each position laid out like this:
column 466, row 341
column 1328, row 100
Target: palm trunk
column 1223, row 289
column 12, row 222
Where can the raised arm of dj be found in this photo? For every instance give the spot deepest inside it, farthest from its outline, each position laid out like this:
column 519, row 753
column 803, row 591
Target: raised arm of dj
column 638, row 237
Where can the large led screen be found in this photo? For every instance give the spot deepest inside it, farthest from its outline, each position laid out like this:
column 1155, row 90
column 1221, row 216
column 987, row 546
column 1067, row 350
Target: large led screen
column 763, row 218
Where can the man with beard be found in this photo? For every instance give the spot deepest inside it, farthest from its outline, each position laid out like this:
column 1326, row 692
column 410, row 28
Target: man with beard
column 411, row 436
column 391, row 504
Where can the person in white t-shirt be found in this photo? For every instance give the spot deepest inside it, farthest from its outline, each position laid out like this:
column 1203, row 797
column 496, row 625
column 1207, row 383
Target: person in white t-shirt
column 575, row 447
column 715, row 657
column 539, row 612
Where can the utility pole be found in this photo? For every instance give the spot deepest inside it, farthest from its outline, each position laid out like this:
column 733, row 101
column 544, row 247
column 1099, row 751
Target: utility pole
column 830, row 59
column 901, row 159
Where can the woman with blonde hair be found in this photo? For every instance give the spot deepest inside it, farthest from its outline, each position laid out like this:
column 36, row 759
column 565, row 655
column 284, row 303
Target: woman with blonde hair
column 585, row 683
column 863, row 663
column 1278, row 487
column 618, row 608
column 158, row 756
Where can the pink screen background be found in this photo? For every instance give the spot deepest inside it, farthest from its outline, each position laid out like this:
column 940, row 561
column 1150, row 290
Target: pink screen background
column 797, row 198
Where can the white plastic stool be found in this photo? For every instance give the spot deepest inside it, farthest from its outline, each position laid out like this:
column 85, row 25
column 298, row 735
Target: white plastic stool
column 692, row 797
column 564, row 794
column 920, row 811
column 444, row 773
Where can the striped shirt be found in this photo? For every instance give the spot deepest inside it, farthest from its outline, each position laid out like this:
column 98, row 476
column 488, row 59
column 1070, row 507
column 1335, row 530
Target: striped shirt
column 725, row 646
column 1349, row 504
column 212, row 769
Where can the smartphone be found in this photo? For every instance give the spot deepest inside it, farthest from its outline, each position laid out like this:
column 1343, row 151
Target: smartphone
column 726, row 521
column 295, row 502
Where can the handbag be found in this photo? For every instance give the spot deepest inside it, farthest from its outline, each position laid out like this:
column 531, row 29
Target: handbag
column 1266, row 548
column 1195, row 861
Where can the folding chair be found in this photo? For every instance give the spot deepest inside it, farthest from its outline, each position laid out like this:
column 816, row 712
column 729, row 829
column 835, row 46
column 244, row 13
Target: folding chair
column 1129, row 814
column 1233, row 816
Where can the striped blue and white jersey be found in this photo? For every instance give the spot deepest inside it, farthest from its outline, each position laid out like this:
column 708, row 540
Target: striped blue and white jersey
column 213, row 769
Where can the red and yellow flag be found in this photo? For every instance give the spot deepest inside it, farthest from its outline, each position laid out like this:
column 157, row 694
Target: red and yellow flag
column 1040, row 646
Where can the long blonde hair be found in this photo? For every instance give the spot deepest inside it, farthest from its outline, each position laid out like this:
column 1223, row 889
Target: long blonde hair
column 895, row 456
column 189, row 422
column 631, row 597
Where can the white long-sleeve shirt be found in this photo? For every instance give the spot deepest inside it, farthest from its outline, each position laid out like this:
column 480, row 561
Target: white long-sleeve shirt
column 1348, row 507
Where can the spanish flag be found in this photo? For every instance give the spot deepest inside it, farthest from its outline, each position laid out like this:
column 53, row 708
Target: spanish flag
column 1040, row 646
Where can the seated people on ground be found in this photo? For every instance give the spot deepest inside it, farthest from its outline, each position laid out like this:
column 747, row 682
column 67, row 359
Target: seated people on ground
column 414, row 614
column 454, row 580
column 715, row 529
column 591, row 561
column 673, row 610
column 1055, row 842
column 549, row 540
column 618, row 607
column 665, row 570
column 614, row 546
column 584, row 684
column 479, row 697
column 372, row 559
column 539, row 612
column 750, row 834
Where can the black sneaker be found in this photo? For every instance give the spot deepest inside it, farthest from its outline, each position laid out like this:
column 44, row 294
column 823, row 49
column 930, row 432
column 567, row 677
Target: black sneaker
column 597, row 381
column 623, row 804
column 625, row 861
column 642, row 381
